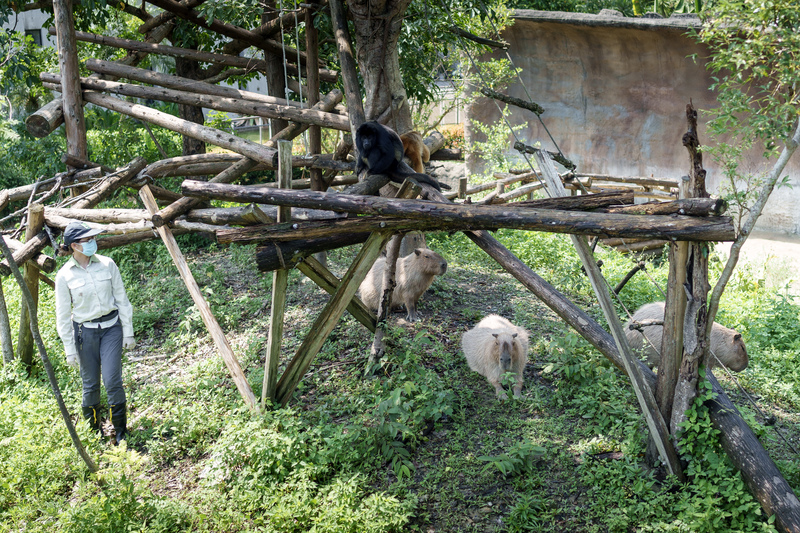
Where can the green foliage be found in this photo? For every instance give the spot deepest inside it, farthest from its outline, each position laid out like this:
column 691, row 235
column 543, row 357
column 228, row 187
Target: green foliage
column 754, row 47
column 519, row 459
column 23, row 158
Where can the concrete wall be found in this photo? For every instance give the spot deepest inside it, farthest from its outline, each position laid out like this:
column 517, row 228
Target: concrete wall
column 615, row 92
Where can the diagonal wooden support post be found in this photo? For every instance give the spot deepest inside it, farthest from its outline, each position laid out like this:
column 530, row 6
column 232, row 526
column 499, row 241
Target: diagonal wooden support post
column 336, row 306
column 644, row 393
column 280, row 280
column 205, row 310
column 327, row 281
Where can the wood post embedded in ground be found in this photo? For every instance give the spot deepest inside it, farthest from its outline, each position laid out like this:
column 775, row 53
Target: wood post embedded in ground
column 280, row 280
column 196, row 293
column 31, row 276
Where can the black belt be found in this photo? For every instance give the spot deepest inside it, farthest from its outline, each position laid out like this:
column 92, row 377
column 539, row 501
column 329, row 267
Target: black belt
column 104, row 318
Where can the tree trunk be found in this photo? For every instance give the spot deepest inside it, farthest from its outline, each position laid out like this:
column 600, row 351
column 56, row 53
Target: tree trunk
column 377, row 29
column 276, row 81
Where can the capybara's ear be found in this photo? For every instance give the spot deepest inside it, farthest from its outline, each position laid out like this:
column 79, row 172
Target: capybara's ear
column 417, row 251
column 514, row 336
column 495, row 335
column 737, row 336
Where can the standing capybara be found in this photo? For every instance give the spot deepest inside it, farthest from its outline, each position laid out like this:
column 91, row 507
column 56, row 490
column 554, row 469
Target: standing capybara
column 413, row 276
column 726, row 343
column 496, row 346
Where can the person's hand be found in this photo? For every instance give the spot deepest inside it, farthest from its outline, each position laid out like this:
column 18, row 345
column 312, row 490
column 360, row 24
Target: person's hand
column 72, row 361
column 128, row 343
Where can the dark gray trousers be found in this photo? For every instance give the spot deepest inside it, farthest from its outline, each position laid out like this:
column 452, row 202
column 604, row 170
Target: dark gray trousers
column 100, row 351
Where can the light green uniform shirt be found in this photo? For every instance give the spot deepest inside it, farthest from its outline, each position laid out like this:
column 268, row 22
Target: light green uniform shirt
column 87, row 294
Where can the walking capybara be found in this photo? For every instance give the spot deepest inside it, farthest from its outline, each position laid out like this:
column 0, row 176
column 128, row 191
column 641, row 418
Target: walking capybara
column 496, row 346
column 414, row 274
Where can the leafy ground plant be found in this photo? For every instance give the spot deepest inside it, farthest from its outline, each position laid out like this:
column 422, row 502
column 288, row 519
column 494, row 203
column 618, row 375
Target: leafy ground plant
column 423, row 445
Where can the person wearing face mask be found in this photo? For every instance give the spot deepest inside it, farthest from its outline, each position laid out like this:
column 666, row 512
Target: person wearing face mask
column 94, row 321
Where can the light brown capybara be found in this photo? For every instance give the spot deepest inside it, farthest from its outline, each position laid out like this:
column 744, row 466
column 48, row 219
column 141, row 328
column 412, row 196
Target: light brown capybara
column 414, row 274
column 726, row 344
column 496, row 346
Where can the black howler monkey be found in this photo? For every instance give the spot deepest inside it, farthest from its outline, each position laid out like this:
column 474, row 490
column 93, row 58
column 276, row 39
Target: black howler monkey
column 380, row 151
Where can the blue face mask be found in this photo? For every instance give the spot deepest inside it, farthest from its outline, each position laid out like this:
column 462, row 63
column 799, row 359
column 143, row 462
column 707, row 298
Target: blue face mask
column 89, row 248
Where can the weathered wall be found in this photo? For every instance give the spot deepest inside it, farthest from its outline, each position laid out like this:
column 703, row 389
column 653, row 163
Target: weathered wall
column 615, row 92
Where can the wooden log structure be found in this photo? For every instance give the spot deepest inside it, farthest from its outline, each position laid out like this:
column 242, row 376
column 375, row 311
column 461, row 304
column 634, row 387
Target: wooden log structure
column 196, row 131
column 165, row 16
column 42, row 261
column 44, row 121
column 30, row 273
column 272, row 255
column 185, row 204
column 112, row 182
column 195, row 55
column 70, row 87
column 603, row 224
column 196, row 293
column 586, row 202
column 184, row 84
column 244, row 107
column 759, row 472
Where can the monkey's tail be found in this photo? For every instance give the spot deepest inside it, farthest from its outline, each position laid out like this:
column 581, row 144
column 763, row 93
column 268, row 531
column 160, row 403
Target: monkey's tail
column 424, row 178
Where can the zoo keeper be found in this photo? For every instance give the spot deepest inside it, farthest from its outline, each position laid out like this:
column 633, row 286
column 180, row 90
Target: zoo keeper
column 94, row 321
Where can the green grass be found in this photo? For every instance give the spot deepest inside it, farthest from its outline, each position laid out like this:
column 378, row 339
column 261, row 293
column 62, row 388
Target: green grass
column 424, row 445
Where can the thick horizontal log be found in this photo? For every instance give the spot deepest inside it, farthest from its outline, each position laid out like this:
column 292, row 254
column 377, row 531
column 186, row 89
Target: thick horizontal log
column 328, row 102
column 23, row 192
column 168, row 167
column 194, row 55
column 182, row 84
column 448, row 154
column 190, row 129
column 584, row 202
column 82, row 164
column 637, row 180
column 29, row 250
column 46, row 119
column 113, row 228
column 117, row 241
column 759, row 472
column 100, row 216
column 698, row 207
column 247, row 215
column 175, row 209
column 244, row 107
column 274, row 255
column 554, row 221
column 43, row 262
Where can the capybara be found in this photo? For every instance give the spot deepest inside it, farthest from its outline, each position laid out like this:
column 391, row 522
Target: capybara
column 411, row 241
column 726, row 343
column 496, row 346
column 414, row 274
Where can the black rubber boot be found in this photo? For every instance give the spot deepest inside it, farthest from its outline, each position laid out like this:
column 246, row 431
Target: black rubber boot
column 119, row 419
column 92, row 414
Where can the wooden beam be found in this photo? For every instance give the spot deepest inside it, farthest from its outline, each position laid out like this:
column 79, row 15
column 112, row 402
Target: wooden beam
column 327, row 281
column 280, row 280
column 759, row 472
column 190, row 129
column 70, row 86
column 113, row 182
column 550, row 220
column 336, row 306
column 243, row 107
column 30, row 273
column 185, row 204
column 659, row 430
column 195, row 55
column 183, row 84
column 196, row 293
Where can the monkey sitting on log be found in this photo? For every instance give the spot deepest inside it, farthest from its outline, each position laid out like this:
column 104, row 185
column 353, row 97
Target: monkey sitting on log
column 415, row 150
column 380, row 151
